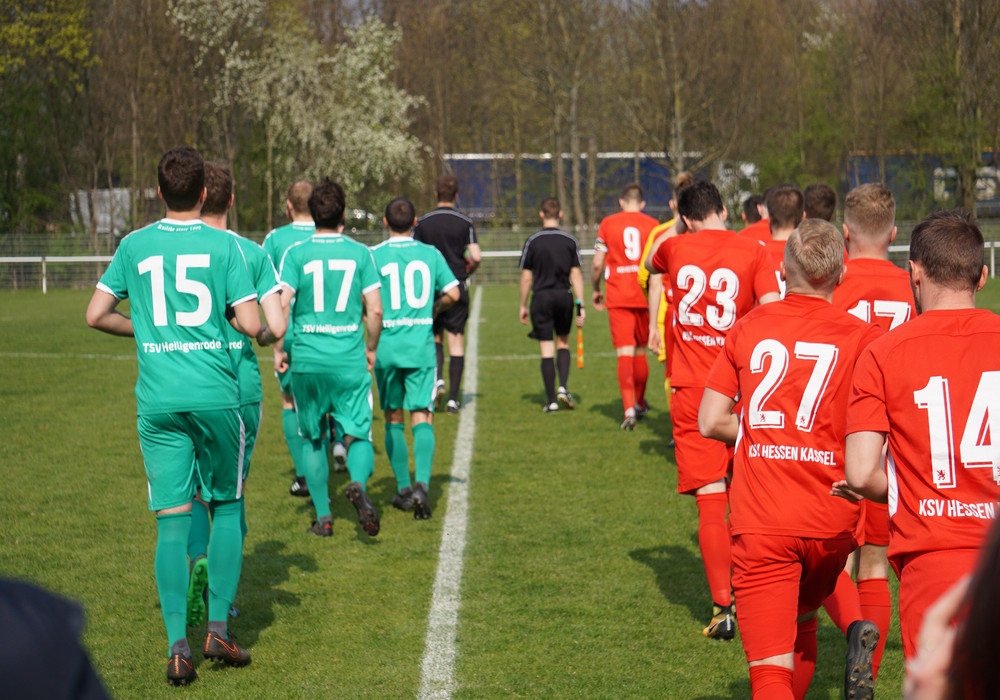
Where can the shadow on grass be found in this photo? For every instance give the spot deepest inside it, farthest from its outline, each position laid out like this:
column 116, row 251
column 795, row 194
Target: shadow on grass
column 659, row 423
column 680, row 577
column 612, row 410
column 260, row 592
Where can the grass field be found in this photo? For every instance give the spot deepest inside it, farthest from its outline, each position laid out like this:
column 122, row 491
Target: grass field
column 582, row 577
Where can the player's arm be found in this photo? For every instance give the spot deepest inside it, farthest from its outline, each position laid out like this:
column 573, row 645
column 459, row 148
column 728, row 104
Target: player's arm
column 596, row 273
column 576, row 282
column 526, row 278
column 769, row 297
column 103, row 314
column 280, row 356
column 246, row 318
column 863, row 466
column 446, row 300
column 473, row 256
column 655, row 292
column 716, row 419
column 275, row 323
column 373, row 323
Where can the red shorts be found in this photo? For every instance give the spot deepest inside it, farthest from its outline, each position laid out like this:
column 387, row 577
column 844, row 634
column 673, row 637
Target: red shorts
column 776, row 579
column 629, row 327
column 876, row 523
column 923, row 578
column 700, row 461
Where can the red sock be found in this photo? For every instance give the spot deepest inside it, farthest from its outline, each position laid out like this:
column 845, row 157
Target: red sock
column 771, row 682
column 876, row 605
column 715, row 544
column 625, row 384
column 640, row 373
column 843, row 606
column 805, row 657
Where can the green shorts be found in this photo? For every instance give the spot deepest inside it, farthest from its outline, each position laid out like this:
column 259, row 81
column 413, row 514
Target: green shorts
column 185, row 451
column 284, row 381
column 408, row 388
column 250, row 414
column 349, row 399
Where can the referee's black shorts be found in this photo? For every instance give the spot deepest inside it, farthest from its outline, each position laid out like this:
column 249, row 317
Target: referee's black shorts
column 551, row 312
column 454, row 318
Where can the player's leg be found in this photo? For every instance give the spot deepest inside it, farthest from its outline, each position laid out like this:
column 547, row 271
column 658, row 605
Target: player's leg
column 563, row 317
column 640, row 366
column 198, row 561
column 168, row 455
column 290, row 428
column 221, row 454
column 418, row 387
column 873, row 575
column 622, row 337
column 843, row 605
column 391, row 388
column 453, row 320
column 312, row 404
column 548, row 366
column 352, row 409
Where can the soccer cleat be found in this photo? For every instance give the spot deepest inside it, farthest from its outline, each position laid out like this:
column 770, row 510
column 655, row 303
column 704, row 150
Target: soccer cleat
column 180, row 670
column 453, row 406
column 438, row 391
column 196, row 591
column 403, row 500
column 367, row 515
column 550, row 407
column 859, row 681
column 565, row 398
column 339, row 457
column 641, row 409
column 628, row 423
column 226, row 651
column 721, row 626
column 321, row 529
column 299, row 487
column 421, row 503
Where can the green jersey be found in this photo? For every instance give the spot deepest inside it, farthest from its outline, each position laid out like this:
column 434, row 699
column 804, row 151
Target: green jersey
column 265, row 280
column 281, row 239
column 329, row 274
column 179, row 276
column 413, row 275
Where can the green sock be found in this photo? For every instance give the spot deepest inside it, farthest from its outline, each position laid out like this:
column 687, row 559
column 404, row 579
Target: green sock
column 399, row 455
column 200, row 527
column 360, row 461
column 317, row 476
column 172, row 573
column 423, row 452
column 225, row 558
column 295, row 442
column 243, row 518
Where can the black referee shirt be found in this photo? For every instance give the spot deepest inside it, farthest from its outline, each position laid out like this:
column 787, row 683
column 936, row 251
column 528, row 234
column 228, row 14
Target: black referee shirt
column 449, row 231
column 550, row 254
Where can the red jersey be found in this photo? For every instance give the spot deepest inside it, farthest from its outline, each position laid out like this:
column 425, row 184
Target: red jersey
column 716, row 277
column 876, row 291
column 791, row 363
column 622, row 237
column 758, row 231
column 933, row 385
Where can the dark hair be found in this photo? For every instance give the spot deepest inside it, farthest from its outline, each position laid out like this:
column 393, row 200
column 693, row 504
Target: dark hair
column 327, row 204
column 446, row 188
column 550, row 208
column 181, row 177
column 399, row 215
column 699, row 201
column 219, row 187
column 949, row 246
column 632, row 192
column 298, row 196
column 785, row 205
column 820, row 201
column 750, row 210
column 974, row 672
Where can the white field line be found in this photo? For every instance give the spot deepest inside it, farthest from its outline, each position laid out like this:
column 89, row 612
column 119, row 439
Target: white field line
column 437, row 680
column 492, row 358
column 65, row 356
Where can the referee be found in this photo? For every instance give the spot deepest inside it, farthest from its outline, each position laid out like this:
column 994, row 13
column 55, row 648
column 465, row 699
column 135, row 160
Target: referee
column 451, row 232
column 550, row 270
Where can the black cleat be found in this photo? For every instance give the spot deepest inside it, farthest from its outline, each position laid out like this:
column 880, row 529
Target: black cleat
column 859, row 681
column 722, row 625
column 550, row 407
column 454, row 406
column 641, row 409
column 226, row 651
column 403, row 500
column 565, row 398
column 299, row 488
column 180, row 670
column 321, row 529
column 367, row 515
column 421, row 503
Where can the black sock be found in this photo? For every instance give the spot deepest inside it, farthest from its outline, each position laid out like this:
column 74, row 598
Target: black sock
column 455, row 367
column 562, row 363
column 549, row 379
column 439, row 349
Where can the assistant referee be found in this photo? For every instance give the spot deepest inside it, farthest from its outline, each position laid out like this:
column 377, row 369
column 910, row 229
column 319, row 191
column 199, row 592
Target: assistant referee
column 550, row 270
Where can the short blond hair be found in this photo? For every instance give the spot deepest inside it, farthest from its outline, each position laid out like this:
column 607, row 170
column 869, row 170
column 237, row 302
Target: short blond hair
column 814, row 254
column 870, row 211
column 299, row 193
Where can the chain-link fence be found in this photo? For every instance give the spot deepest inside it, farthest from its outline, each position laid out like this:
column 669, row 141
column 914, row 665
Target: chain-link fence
column 40, row 261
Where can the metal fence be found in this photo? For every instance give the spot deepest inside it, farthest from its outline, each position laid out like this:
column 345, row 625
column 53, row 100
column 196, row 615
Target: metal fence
column 43, row 261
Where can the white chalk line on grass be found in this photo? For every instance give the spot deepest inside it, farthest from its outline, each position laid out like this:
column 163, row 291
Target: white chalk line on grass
column 437, row 680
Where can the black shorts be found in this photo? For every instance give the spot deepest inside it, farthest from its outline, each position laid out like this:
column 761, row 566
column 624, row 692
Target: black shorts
column 551, row 310
column 454, row 318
